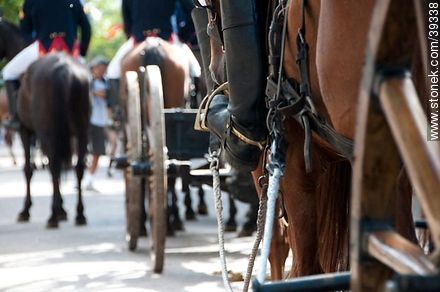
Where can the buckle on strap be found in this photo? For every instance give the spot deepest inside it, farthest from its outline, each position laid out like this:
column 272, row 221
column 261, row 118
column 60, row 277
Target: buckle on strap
column 54, row 35
column 200, row 123
column 260, row 144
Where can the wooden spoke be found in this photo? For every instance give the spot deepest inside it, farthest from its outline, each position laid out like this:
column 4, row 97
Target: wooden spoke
column 408, row 123
column 398, row 253
column 380, row 134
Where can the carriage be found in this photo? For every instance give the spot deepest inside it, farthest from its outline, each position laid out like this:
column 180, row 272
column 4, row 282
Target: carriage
column 158, row 151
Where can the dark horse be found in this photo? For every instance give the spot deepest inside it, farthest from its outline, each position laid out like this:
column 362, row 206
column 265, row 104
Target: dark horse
column 54, row 105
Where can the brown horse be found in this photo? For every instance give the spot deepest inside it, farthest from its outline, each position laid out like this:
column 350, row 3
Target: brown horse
column 168, row 57
column 337, row 36
column 317, row 203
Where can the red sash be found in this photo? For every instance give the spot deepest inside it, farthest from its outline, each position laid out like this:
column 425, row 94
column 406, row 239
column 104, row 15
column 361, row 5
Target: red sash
column 59, row 45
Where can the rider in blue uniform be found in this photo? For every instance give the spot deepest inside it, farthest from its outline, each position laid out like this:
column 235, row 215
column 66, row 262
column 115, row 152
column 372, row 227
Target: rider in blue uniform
column 46, row 25
column 142, row 19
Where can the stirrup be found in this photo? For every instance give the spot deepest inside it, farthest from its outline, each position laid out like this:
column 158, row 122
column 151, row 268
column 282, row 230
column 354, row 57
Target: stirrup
column 200, row 123
column 233, row 129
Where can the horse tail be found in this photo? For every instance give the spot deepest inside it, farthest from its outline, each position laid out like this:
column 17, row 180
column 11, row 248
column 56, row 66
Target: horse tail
column 333, row 191
column 62, row 151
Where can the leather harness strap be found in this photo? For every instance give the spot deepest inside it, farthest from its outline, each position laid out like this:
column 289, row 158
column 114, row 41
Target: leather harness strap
column 293, row 99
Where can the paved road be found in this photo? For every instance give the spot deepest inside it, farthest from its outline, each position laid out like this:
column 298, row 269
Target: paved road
column 95, row 257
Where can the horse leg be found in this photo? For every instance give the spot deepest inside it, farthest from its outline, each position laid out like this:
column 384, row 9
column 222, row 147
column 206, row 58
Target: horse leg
column 80, row 219
column 251, row 223
column 231, row 224
column 170, row 211
column 25, row 135
column 55, row 170
column 143, row 229
column 9, row 138
column 176, row 222
column 202, row 209
column 279, row 247
column 300, row 203
column 189, row 212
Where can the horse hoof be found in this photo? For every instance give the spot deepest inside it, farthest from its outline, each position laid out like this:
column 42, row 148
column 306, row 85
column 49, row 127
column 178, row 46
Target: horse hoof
column 190, row 216
column 52, row 224
column 62, row 216
column 143, row 232
column 132, row 242
column 230, row 227
column 170, row 232
column 202, row 210
column 245, row 233
column 23, row 217
column 80, row 221
column 178, row 225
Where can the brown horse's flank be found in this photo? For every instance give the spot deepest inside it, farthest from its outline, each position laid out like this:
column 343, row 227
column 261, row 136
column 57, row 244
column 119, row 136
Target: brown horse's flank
column 336, row 32
column 318, row 203
column 174, row 74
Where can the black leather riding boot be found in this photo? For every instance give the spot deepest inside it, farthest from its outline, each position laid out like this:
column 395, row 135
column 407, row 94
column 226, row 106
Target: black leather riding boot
column 240, row 123
column 12, row 87
column 200, row 19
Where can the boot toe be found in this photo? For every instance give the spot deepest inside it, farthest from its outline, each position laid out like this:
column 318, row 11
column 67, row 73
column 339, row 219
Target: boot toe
column 242, row 156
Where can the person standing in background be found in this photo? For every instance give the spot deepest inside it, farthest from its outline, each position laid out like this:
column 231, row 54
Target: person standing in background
column 98, row 119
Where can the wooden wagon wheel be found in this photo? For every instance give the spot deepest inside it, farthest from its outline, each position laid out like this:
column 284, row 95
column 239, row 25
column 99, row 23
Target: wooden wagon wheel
column 133, row 184
column 390, row 115
column 157, row 157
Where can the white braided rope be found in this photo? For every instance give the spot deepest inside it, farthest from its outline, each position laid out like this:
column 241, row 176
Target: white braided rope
column 272, row 194
column 220, row 227
column 262, row 208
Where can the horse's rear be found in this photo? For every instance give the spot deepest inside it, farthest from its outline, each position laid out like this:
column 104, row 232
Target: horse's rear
column 54, row 104
column 173, row 68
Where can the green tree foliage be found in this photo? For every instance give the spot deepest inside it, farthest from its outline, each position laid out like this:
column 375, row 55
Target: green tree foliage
column 105, row 16
column 11, row 9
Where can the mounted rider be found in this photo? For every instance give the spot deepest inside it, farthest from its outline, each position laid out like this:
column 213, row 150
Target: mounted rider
column 238, row 118
column 47, row 26
column 144, row 19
